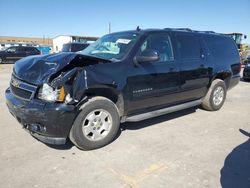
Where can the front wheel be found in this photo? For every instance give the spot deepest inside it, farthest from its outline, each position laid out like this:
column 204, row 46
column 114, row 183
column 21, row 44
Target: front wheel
column 215, row 96
column 96, row 125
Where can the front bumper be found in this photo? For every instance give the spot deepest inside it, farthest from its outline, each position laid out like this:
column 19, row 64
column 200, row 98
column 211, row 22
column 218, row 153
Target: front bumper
column 48, row 122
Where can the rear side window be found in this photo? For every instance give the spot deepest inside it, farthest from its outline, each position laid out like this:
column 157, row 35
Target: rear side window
column 221, row 47
column 188, row 46
column 34, row 50
column 27, row 49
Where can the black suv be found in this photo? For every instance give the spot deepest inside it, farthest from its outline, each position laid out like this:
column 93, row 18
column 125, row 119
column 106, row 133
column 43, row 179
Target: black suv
column 17, row 52
column 74, row 47
column 124, row 76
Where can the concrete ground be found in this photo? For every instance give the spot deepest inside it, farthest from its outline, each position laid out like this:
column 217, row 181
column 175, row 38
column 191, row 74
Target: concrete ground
column 191, row 148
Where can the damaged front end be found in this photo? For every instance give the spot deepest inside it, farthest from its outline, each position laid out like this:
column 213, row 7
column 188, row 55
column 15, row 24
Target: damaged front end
column 45, row 91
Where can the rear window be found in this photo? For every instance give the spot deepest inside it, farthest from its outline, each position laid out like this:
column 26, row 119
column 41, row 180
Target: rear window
column 188, row 46
column 221, row 47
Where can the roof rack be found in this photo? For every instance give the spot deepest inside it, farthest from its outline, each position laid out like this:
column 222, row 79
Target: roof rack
column 189, row 30
column 181, row 29
column 203, row 31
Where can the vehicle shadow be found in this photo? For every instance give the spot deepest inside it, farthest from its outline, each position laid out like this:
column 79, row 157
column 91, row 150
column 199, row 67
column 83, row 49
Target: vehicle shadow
column 67, row 146
column 153, row 121
column 236, row 170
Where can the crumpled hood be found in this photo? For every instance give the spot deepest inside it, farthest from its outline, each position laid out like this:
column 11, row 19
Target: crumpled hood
column 38, row 69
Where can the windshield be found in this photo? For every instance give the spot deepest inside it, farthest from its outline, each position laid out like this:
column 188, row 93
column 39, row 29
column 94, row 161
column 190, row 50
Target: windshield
column 112, row 46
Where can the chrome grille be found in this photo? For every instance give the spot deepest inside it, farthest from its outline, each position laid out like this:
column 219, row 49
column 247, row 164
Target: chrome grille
column 22, row 89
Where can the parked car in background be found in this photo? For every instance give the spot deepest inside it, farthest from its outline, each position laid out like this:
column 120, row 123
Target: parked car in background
column 246, row 72
column 15, row 53
column 124, row 76
column 74, row 47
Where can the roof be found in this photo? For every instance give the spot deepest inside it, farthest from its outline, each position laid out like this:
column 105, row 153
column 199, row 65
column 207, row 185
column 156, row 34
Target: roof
column 188, row 30
column 234, row 33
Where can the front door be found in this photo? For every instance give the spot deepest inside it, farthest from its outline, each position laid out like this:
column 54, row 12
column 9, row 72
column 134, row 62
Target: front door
column 153, row 84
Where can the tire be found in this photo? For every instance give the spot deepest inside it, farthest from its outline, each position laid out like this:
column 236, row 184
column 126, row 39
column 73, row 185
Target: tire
column 1, row 60
column 215, row 96
column 96, row 125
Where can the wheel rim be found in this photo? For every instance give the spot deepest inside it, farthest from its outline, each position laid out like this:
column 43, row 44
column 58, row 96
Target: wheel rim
column 97, row 125
column 1, row 60
column 218, row 95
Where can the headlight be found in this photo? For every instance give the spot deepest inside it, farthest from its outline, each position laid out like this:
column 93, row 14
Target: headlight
column 50, row 94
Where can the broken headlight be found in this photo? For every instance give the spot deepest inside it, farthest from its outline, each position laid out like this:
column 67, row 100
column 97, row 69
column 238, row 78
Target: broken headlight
column 50, row 94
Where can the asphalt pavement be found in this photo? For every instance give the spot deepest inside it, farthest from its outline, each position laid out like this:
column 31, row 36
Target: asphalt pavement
column 190, row 148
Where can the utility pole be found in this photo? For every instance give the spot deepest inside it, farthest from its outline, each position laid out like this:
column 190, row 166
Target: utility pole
column 109, row 27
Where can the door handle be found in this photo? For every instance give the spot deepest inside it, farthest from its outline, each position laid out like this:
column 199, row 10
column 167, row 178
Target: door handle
column 202, row 66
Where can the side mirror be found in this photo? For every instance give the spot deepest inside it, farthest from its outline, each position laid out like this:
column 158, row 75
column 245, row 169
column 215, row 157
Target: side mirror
column 245, row 37
column 147, row 56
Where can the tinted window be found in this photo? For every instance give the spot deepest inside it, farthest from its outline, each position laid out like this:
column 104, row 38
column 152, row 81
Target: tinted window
column 11, row 49
column 66, row 48
column 21, row 49
column 221, row 47
column 78, row 47
column 33, row 49
column 188, row 46
column 29, row 49
column 161, row 43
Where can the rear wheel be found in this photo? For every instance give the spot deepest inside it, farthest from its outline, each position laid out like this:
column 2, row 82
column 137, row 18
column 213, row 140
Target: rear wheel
column 215, row 96
column 96, row 125
column 1, row 60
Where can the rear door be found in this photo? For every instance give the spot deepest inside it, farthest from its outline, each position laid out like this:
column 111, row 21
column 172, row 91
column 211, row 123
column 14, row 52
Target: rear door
column 194, row 70
column 154, row 84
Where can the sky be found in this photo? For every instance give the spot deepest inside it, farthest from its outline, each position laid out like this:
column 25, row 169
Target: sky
column 49, row 18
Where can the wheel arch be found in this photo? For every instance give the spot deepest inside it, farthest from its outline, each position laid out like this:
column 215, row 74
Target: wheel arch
column 109, row 93
column 224, row 75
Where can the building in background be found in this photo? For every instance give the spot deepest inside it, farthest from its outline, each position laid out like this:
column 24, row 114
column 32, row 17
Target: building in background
column 43, row 44
column 58, row 41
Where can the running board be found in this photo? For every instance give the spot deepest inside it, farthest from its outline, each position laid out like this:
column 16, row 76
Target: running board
column 160, row 112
